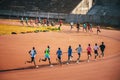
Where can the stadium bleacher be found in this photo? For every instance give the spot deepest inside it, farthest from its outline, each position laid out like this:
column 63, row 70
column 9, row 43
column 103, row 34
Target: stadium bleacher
column 61, row 6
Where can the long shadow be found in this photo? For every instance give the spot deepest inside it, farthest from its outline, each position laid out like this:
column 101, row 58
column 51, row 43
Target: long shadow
column 40, row 66
column 63, row 63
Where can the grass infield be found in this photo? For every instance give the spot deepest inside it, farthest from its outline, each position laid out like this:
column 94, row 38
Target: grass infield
column 9, row 29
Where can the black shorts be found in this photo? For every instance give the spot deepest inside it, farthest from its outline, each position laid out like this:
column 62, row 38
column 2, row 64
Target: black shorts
column 96, row 52
column 102, row 50
column 59, row 57
column 78, row 53
column 32, row 59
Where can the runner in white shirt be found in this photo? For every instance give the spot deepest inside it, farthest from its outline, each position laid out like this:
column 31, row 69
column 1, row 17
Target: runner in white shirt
column 79, row 51
column 96, row 48
column 32, row 54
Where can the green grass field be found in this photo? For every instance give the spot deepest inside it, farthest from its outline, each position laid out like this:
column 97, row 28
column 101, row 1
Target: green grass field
column 8, row 29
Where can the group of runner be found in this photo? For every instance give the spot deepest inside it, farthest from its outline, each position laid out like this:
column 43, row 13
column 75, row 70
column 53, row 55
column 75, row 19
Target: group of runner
column 36, row 22
column 87, row 27
column 96, row 48
column 33, row 53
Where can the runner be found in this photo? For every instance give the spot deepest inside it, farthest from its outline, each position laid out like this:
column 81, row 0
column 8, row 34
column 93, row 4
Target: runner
column 96, row 48
column 69, row 54
column 78, row 26
column 79, row 50
column 71, row 25
column 88, row 26
column 47, row 56
column 39, row 20
column 33, row 54
column 22, row 21
column 26, row 20
column 84, row 27
column 36, row 21
column 59, row 53
column 31, row 22
column 60, row 24
column 47, row 22
column 89, row 52
column 44, row 22
column 98, row 29
column 102, row 48
column 91, row 27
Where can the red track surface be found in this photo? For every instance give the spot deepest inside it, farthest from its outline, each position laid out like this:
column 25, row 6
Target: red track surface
column 14, row 52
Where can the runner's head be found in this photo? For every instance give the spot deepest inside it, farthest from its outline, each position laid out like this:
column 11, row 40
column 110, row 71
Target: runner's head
column 88, row 44
column 79, row 45
column 48, row 46
column 102, row 42
column 58, row 48
column 33, row 47
column 95, row 44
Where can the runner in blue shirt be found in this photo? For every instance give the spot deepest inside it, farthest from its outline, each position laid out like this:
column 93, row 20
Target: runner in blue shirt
column 59, row 54
column 69, row 54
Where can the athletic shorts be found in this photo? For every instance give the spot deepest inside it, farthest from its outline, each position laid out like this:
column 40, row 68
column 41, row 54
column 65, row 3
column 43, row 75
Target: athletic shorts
column 96, row 52
column 89, row 53
column 78, row 53
column 102, row 51
column 59, row 57
column 32, row 59
column 47, row 56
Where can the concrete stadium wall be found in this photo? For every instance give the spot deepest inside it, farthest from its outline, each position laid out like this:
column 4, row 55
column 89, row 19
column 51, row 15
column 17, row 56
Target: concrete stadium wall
column 96, row 19
column 104, row 12
column 33, row 14
column 108, row 2
column 82, row 7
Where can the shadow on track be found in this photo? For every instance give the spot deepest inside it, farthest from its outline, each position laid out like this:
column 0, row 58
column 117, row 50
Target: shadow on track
column 63, row 63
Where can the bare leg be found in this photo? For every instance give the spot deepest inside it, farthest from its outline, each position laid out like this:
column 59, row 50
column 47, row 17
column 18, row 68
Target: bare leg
column 44, row 59
column 78, row 57
column 34, row 63
column 68, row 59
column 49, row 61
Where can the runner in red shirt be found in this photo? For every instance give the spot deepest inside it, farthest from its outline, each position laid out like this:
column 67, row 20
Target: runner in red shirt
column 60, row 24
column 98, row 29
column 89, row 49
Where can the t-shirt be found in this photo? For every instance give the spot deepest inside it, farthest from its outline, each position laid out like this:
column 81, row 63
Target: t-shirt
column 102, row 47
column 71, row 23
column 59, row 52
column 69, row 51
column 89, row 49
column 96, row 47
column 32, row 53
column 91, row 25
column 98, row 27
column 47, row 51
column 22, row 19
column 84, row 25
column 79, row 49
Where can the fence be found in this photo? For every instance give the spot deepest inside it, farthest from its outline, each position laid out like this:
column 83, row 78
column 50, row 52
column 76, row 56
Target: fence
column 97, row 19
column 33, row 14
